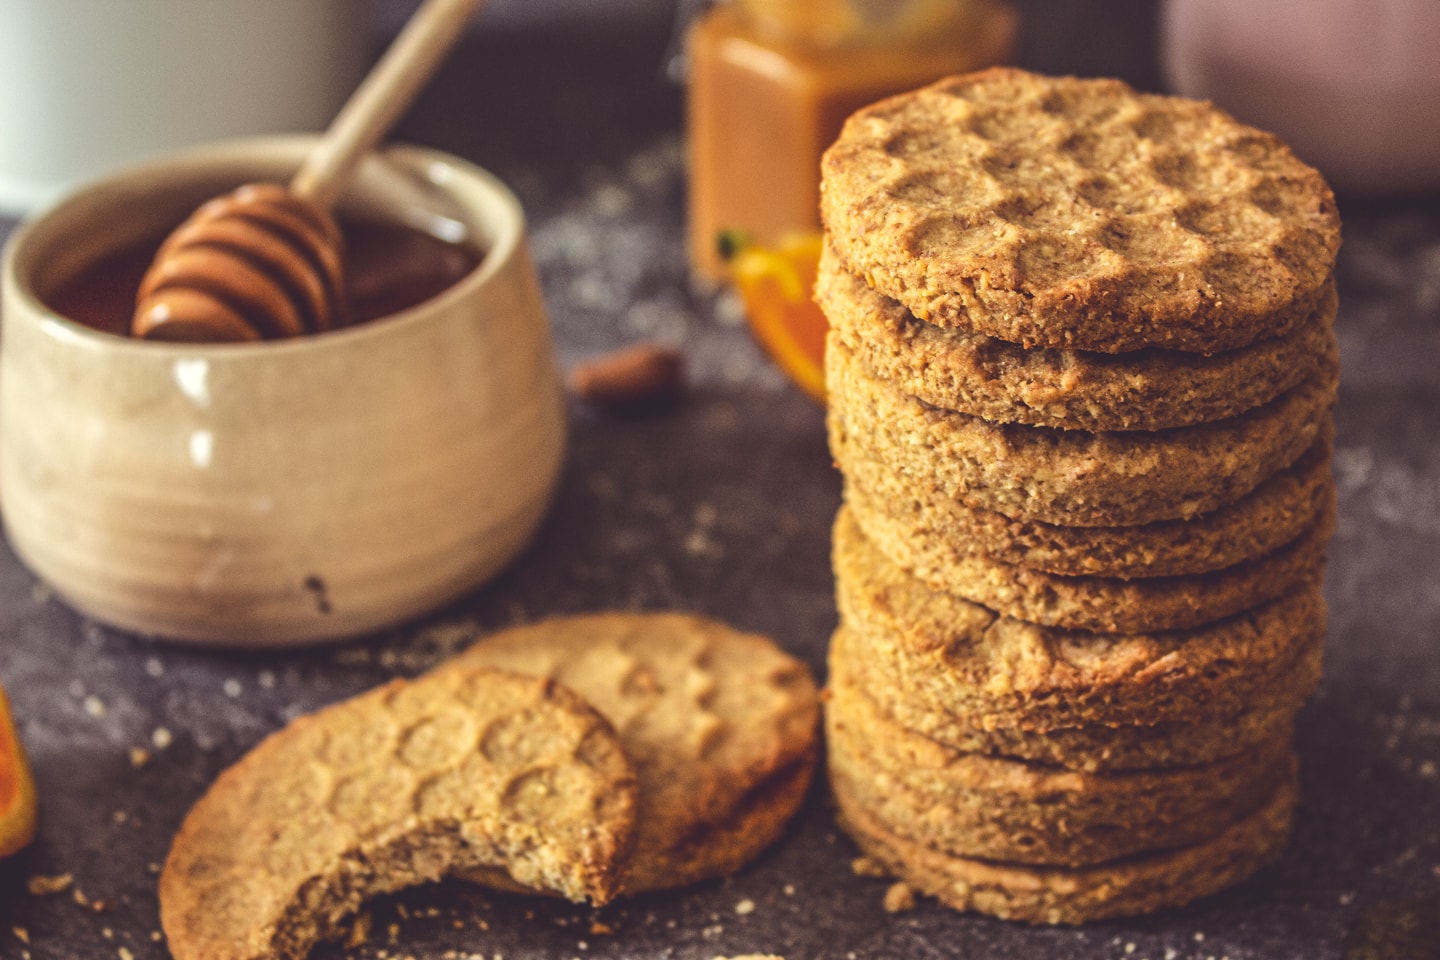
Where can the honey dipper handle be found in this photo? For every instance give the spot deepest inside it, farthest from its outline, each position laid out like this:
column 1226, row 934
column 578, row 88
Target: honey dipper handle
column 380, row 99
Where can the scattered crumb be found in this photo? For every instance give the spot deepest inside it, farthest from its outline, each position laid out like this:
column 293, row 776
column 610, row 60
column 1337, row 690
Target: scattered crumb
column 232, row 688
column 125, row 954
column 899, row 898
column 601, row 929
column 866, row 867
column 94, row 706
column 154, row 668
column 161, row 738
column 789, row 889
column 41, row 886
column 21, row 934
column 1129, row 948
column 359, row 931
column 139, row 756
column 745, row 907
column 1428, row 770
column 266, row 679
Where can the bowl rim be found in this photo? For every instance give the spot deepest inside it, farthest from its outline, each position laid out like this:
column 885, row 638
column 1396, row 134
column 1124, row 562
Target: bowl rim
column 433, row 167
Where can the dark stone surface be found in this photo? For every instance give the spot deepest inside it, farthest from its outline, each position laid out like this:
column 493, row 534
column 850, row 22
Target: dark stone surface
column 723, row 506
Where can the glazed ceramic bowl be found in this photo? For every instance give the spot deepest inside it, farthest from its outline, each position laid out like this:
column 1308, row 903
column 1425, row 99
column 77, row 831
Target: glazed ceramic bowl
column 280, row 492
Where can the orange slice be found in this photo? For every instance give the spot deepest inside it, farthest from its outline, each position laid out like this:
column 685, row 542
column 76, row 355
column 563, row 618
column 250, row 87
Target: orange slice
column 775, row 285
column 17, row 787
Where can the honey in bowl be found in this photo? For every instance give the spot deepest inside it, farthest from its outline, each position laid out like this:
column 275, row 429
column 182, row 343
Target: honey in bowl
column 389, row 267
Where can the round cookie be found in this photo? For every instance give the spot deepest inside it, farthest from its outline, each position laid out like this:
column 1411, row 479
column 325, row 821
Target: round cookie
column 722, row 727
column 997, row 808
column 934, row 535
column 1092, row 747
column 467, row 768
column 1076, row 213
column 1060, row 895
column 1134, row 605
column 1130, row 606
column 955, row 656
column 1068, row 477
column 1150, row 389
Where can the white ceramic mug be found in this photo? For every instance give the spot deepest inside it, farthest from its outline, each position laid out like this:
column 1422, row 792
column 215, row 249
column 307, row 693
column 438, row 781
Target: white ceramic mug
column 285, row 491
column 88, row 85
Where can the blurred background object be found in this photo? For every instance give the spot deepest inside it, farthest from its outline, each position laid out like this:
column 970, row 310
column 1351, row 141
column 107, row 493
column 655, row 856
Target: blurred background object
column 1352, row 85
column 771, row 82
column 88, row 85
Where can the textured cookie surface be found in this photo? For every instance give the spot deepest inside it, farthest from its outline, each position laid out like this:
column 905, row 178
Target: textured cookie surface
column 1057, row 895
column 407, row 783
column 1071, row 389
column 955, row 656
column 1085, row 746
column 935, row 536
column 1069, row 477
column 996, row 808
column 1131, row 606
column 1061, row 212
column 722, row 727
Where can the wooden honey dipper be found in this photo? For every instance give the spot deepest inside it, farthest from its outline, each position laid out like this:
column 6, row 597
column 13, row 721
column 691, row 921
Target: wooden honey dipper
column 265, row 261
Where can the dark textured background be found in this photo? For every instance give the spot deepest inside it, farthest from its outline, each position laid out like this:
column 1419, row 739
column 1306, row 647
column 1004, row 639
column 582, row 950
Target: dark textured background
column 722, row 506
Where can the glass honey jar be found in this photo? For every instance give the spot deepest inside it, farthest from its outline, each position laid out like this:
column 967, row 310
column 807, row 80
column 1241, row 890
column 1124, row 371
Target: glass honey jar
column 772, row 81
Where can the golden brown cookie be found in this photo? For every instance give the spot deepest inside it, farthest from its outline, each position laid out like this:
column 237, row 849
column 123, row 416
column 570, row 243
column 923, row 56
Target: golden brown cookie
column 1151, row 389
column 722, row 727
column 1093, row 747
column 463, row 768
column 1116, row 605
column 997, row 808
column 933, row 535
column 1057, row 895
column 948, row 655
column 1073, row 213
column 1068, row 477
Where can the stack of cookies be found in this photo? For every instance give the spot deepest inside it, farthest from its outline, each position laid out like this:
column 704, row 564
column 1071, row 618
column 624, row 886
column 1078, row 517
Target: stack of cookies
column 1081, row 369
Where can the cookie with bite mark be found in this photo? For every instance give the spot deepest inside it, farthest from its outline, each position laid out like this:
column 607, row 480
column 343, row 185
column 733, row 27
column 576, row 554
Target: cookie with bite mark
column 465, row 768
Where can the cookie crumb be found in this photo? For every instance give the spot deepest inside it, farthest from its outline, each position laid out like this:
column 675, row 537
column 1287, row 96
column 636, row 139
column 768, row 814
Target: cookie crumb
column 161, row 738
column 359, row 931
column 866, row 867
column 94, row 706
column 21, row 934
column 745, row 907
column 139, row 756
column 899, row 898
column 42, row 886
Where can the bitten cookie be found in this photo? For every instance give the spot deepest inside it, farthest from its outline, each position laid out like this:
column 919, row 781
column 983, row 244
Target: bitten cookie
column 955, row 657
column 1059, row 895
column 722, row 727
column 1063, row 212
column 464, row 768
column 1069, row 477
column 1150, row 389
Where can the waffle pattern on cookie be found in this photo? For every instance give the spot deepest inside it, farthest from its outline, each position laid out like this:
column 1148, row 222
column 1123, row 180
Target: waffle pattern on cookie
column 1078, row 213
column 1080, row 374
column 407, row 783
column 722, row 727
